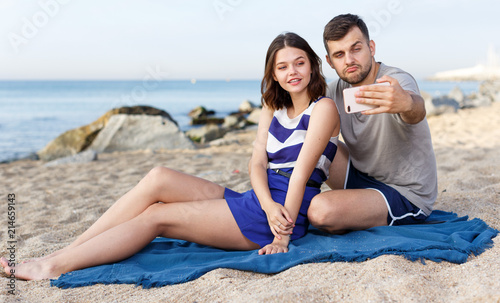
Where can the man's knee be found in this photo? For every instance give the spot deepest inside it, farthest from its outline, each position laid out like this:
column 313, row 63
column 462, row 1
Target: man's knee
column 323, row 213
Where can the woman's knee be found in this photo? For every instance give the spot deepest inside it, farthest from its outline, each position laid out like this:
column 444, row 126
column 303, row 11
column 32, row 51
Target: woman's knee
column 159, row 173
column 156, row 215
column 158, row 176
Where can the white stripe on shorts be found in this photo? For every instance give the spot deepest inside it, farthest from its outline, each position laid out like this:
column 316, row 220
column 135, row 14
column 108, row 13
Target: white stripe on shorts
column 394, row 219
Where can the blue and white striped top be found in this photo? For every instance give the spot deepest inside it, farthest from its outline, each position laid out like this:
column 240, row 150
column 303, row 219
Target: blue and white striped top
column 286, row 137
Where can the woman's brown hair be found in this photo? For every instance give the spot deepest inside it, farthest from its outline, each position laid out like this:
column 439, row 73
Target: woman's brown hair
column 273, row 95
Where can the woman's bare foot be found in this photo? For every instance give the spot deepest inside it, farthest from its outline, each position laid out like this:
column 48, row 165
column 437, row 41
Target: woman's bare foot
column 5, row 263
column 35, row 270
column 45, row 257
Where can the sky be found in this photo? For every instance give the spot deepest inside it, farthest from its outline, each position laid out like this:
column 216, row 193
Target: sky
column 228, row 39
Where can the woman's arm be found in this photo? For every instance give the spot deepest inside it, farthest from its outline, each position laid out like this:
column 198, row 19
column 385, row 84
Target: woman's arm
column 323, row 124
column 276, row 213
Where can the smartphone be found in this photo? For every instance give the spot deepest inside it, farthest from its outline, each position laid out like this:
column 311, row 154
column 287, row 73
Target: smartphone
column 350, row 104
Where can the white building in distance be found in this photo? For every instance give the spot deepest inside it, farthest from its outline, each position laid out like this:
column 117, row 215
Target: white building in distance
column 480, row 72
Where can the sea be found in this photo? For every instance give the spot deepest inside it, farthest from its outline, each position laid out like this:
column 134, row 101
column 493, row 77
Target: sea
column 32, row 113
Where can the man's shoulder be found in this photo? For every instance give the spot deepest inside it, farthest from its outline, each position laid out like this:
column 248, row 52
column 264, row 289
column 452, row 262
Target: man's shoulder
column 391, row 70
column 404, row 78
column 336, row 86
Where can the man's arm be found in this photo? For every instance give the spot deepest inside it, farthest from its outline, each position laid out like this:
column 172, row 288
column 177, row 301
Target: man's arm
column 417, row 113
column 392, row 99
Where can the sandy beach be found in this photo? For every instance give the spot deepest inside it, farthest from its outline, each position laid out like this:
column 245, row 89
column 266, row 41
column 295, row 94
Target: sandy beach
column 55, row 204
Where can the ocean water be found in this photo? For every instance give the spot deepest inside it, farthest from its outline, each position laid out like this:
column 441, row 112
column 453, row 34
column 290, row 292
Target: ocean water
column 32, row 113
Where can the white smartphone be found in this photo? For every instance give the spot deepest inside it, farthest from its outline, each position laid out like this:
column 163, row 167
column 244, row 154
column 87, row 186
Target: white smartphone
column 350, row 104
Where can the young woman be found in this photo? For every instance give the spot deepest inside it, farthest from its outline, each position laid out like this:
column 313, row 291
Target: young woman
column 287, row 167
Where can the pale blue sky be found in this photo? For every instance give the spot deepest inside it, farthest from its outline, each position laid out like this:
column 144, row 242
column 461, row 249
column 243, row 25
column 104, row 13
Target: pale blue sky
column 221, row 39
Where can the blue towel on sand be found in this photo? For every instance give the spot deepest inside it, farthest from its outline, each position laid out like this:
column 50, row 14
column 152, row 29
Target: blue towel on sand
column 168, row 261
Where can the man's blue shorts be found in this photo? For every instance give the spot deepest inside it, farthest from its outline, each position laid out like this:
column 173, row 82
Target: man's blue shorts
column 400, row 210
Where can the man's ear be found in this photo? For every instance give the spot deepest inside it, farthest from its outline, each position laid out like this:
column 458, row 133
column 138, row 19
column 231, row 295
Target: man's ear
column 329, row 61
column 372, row 47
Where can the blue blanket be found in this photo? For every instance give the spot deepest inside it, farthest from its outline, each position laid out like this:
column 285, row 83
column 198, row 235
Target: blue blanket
column 168, row 261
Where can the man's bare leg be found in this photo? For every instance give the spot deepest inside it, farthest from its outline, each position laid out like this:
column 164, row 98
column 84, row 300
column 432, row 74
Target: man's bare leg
column 340, row 210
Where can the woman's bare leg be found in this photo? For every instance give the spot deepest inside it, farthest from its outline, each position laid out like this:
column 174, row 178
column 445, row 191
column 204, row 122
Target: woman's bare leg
column 206, row 222
column 159, row 185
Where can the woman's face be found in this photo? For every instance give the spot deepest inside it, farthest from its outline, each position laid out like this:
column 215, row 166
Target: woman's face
column 292, row 70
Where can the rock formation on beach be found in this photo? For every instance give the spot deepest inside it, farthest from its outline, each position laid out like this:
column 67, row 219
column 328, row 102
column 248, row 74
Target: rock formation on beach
column 489, row 92
column 215, row 128
column 143, row 128
column 79, row 139
column 140, row 132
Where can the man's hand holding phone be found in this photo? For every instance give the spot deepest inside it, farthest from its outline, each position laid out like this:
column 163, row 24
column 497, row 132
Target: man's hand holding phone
column 350, row 104
column 386, row 96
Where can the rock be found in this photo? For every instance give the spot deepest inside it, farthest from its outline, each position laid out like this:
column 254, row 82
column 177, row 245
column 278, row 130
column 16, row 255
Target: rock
column 76, row 140
column 438, row 106
column 246, row 107
column 457, row 95
column 491, row 90
column 476, row 100
column 83, row 157
column 206, row 133
column 200, row 116
column 231, row 121
column 200, row 112
column 236, row 121
column 445, row 101
column 140, row 132
column 254, row 116
column 206, row 120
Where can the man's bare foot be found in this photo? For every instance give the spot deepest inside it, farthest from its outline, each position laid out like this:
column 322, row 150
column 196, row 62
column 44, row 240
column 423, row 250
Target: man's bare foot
column 36, row 270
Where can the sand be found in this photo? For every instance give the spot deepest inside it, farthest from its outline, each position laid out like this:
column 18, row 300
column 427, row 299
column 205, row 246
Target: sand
column 55, row 204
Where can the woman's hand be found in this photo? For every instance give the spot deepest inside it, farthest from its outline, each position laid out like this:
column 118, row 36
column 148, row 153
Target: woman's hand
column 279, row 220
column 277, row 246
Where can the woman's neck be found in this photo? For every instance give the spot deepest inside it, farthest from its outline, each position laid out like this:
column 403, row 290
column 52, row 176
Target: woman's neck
column 300, row 103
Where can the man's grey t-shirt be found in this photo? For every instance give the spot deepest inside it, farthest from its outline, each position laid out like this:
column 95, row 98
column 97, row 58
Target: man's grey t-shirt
column 388, row 149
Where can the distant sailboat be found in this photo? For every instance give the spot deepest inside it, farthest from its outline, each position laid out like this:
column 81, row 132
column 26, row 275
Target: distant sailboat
column 480, row 72
column 193, row 81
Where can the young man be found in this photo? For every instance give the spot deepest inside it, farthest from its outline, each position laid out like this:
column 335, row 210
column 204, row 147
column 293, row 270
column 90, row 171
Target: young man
column 385, row 174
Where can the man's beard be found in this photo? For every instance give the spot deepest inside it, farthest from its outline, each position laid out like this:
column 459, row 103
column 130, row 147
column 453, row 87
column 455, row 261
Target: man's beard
column 354, row 79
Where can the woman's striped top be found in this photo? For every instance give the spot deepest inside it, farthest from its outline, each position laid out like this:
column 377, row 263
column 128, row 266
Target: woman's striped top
column 286, row 137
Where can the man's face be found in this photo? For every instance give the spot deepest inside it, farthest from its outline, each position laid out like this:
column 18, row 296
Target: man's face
column 351, row 56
